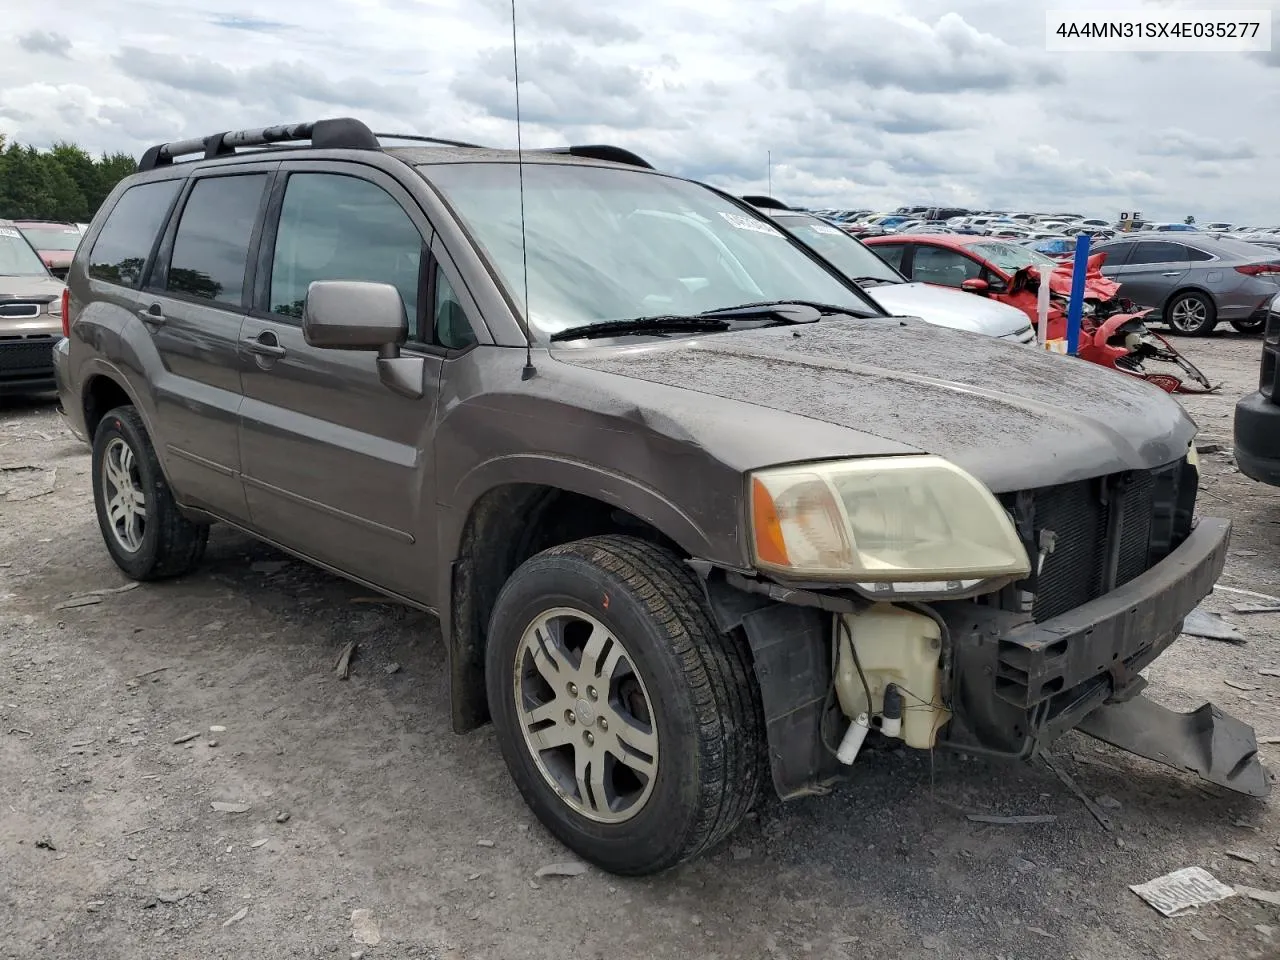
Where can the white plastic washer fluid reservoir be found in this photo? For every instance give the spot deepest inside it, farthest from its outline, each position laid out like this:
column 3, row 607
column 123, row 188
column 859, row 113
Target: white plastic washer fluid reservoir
column 852, row 741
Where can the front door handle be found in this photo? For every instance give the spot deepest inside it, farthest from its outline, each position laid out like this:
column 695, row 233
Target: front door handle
column 151, row 314
column 263, row 348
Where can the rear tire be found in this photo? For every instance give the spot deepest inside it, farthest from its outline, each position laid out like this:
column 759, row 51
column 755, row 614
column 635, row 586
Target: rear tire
column 1191, row 313
column 602, row 651
column 145, row 533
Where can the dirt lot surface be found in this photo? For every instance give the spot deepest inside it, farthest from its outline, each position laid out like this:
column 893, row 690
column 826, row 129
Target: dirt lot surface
column 366, row 826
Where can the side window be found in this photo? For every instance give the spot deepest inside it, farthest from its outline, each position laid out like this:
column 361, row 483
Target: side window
column 211, row 247
column 1118, row 254
column 453, row 330
column 1157, row 251
column 335, row 227
column 890, row 253
column 943, row 266
column 1194, row 255
column 121, row 249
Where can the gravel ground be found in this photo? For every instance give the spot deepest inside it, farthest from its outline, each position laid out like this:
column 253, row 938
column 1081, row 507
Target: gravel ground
column 367, row 826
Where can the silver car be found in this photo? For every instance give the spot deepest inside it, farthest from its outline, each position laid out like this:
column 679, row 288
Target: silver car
column 30, row 315
column 893, row 291
column 887, row 287
column 1194, row 282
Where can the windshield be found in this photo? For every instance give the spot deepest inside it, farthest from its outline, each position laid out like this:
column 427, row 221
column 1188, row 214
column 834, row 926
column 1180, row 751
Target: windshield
column 52, row 237
column 17, row 259
column 609, row 244
column 1010, row 257
column 848, row 255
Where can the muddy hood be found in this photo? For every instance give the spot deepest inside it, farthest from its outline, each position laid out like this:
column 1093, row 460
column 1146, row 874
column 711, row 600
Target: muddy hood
column 1016, row 418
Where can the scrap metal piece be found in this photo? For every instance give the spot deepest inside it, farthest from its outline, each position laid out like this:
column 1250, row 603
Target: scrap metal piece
column 1217, row 747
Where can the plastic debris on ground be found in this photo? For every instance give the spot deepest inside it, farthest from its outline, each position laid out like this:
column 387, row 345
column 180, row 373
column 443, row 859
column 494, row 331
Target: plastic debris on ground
column 1211, row 626
column 1182, row 890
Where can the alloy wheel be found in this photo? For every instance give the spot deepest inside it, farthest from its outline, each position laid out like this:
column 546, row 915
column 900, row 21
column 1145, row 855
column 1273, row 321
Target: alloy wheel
column 122, row 491
column 1188, row 314
column 586, row 716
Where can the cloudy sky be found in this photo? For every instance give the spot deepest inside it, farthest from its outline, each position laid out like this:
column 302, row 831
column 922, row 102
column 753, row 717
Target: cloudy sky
column 862, row 102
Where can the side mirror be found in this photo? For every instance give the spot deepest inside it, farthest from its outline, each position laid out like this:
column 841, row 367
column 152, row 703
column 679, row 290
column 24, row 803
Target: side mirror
column 976, row 285
column 358, row 315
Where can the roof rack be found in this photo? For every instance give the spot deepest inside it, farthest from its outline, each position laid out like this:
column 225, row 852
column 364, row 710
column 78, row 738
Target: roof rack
column 766, row 203
column 599, row 151
column 339, row 132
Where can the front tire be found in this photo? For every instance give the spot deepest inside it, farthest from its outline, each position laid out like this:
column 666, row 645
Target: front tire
column 145, row 533
column 630, row 725
column 1191, row 313
column 1249, row 326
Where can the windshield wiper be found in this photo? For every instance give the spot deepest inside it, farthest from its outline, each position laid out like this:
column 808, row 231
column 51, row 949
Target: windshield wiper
column 671, row 323
column 862, row 280
column 715, row 321
column 791, row 311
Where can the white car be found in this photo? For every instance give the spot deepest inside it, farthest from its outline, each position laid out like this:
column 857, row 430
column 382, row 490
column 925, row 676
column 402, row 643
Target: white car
column 893, row 291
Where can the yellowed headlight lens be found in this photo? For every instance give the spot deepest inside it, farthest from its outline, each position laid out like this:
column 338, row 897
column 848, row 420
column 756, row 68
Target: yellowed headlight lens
column 916, row 518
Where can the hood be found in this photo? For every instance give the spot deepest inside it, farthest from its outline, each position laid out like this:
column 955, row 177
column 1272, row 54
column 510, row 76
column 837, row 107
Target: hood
column 30, row 288
column 1096, row 286
column 1015, row 418
column 950, row 308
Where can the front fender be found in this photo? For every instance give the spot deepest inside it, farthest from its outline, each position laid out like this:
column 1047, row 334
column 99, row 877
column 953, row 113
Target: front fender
column 573, row 476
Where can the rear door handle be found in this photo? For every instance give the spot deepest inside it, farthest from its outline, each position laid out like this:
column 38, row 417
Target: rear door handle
column 1172, row 273
column 263, row 349
column 152, row 314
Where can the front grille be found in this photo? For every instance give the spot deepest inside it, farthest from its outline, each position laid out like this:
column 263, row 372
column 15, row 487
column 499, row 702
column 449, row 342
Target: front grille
column 30, row 356
column 23, row 311
column 1102, row 533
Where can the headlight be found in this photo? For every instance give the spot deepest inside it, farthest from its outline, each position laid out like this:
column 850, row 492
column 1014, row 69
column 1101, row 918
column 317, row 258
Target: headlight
column 909, row 525
column 54, row 307
column 1193, row 456
column 1088, row 309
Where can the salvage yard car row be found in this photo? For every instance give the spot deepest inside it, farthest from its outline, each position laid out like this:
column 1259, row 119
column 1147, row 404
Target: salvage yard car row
column 697, row 511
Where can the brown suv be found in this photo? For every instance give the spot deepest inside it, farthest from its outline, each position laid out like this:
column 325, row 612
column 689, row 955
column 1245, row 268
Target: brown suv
column 691, row 509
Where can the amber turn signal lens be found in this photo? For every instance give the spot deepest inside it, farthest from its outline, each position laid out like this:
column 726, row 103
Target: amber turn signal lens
column 770, row 546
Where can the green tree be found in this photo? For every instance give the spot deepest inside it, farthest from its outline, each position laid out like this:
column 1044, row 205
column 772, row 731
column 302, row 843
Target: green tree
column 64, row 183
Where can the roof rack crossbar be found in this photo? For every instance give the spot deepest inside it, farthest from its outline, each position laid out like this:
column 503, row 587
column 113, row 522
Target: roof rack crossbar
column 338, row 132
column 436, row 140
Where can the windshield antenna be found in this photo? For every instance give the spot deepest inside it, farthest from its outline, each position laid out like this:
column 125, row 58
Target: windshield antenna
column 529, row 371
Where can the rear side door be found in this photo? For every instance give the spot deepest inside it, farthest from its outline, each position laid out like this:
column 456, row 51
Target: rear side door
column 194, row 302
column 336, row 466
column 1153, row 271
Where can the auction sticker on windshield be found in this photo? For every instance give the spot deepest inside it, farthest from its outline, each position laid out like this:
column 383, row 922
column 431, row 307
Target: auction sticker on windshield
column 9, row 232
column 746, row 223
column 824, row 229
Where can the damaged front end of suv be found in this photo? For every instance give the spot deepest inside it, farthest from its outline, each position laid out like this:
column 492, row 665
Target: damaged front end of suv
column 988, row 623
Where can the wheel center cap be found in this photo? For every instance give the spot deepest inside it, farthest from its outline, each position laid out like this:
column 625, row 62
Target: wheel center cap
column 586, row 713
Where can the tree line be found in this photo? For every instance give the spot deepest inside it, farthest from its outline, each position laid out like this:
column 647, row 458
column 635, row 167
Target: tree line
column 64, row 183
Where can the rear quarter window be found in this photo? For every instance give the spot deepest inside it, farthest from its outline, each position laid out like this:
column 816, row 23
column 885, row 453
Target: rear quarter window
column 121, row 249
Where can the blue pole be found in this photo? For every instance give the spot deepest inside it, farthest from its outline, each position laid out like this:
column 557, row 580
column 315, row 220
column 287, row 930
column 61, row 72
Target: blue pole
column 1075, row 307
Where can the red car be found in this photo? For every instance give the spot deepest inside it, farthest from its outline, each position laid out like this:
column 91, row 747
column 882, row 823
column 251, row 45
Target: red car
column 55, row 242
column 1112, row 332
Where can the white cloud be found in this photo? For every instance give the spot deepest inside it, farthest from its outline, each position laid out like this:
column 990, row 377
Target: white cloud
column 861, row 102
